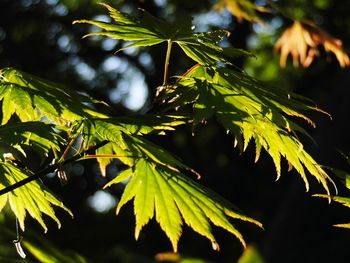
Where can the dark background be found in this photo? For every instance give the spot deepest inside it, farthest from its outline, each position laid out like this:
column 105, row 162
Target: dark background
column 37, row 36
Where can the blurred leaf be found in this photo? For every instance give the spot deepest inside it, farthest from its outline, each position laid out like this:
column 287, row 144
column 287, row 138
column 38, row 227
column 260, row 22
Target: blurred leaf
column 347, row 225
column 241, row 9
column 147, row 30
column 45, row 252
column 301, row 41
column 249, row 110
column 33, row 197
column 35, row 246
column 193, row 260
column 177, row 258
column 345, row 156
column 170, row 196
column 344, row 176
column 251, row 255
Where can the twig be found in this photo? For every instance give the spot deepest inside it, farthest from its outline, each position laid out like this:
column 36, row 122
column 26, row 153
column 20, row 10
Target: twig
column 51, row 168
column 166, row 63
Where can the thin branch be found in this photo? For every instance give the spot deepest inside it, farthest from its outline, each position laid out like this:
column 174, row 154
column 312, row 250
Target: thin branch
column 279, row 10
column 166, row 63
column 115, row 156
column 69, row 146
column 51, row 168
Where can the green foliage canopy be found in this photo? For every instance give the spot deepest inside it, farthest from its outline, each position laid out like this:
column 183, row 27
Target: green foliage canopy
column 49, row 117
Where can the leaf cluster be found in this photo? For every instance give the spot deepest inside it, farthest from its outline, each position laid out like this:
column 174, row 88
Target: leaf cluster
column 52, row 118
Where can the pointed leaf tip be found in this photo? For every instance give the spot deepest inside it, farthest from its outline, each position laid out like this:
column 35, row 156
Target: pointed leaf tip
column 215, row 246
column 241, row 114
column 173, row 198
column 33, row 198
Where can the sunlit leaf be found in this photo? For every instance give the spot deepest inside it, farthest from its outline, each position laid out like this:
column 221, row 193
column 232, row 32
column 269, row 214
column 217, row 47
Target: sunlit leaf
column 250, row 111
column 32, row 98
column 128, row 148
column 302, row 40
column 147, row 30
column 346, row 225
column 345, row 201
column 344, row 176
column 172, row 198
column 33, row 198
column 38, row 135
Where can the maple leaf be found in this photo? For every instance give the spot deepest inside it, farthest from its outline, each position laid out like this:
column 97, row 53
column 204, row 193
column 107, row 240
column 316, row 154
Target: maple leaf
column 242, row 10
column 146, row 30
column 345, row 201
column 302, row 40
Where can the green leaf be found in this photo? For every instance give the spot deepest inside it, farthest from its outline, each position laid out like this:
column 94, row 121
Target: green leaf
column 38, row 135
column 342, row 175
column 147, row 30
column 32, row 98
column 251, row 255
column 123, row 176
column 33, row 198
column 250, row 111
column 44, row 251
column 123, row 135
column 36, row 246
column 345, row 201
column 170, row 196
column 149, row 123
column 143, row 148
column 145, row 198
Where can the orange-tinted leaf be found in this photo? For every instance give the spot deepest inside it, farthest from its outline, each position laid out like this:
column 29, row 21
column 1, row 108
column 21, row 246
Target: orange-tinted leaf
column 301, row 41
column 241, row 9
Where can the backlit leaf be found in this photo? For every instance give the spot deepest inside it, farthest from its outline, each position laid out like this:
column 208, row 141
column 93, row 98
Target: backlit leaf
column 32, row 98
column 301, row 41
column 147, row 30
column 38, row 135
column 250, row 111
column 33, row 198
column 345, row 201
column 125, row 141
column 172, row 198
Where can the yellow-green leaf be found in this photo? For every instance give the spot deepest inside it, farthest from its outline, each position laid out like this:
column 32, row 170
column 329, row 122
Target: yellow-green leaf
column 32, row 98
column 345, row 201
column 33, row 198
column 170, row 196
column 250, row 111
column 147, row 30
